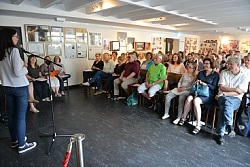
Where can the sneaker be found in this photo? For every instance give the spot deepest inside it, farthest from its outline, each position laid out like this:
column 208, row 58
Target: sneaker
column 98, row 92
column 86, row 84
column 62, row 93
column 15, row 144
column 115, row 97
column 121, row 98
column 26, row 147
column 108, row 95
column 230, row 131
column 176, row 121
column 150, row 105
column 220, row 140
column 165, row 116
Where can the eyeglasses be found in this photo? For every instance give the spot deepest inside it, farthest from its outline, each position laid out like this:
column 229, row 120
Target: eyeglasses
column 15, row 36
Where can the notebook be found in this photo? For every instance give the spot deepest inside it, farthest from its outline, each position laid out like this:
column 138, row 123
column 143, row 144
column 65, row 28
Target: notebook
column 54, row 73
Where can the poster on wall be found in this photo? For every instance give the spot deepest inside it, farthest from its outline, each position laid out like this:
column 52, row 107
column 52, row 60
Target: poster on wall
column 53, row 49
column 70, row 50
column 95, row 39
column 82, row 50
column 245, row 46
column 208, row 45
column 93, row 50
column 190, row 45
column 156, row 44
column 81, row 35
column 36, row 48
column 56, row 34
column 131, row 44
column 70, row 34
column 231, row 45
column 106, row 43
column 37, row 33
column 122, row 37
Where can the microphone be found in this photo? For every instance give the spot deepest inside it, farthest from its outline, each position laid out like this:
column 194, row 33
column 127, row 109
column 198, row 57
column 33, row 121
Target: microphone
column 25, row 51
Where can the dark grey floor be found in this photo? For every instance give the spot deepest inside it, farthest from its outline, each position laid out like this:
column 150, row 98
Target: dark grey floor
column 118, row 135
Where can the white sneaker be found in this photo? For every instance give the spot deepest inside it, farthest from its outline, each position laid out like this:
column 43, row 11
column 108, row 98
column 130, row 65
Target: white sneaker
column 165, row 116
column 86, row 84
column 176, row 121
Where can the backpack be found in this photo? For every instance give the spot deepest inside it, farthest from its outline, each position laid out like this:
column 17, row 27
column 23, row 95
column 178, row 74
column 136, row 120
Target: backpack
column 243, row 122
column 132, row 100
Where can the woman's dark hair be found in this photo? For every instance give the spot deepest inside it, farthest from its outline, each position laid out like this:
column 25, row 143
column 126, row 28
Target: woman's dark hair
column 58, row 58
column 29, row 62
column 212, row 65
column 6, row 43
column 178, row 61
column 150, row 53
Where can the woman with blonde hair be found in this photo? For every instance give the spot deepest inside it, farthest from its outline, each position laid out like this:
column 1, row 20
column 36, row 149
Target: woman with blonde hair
column 183, row 89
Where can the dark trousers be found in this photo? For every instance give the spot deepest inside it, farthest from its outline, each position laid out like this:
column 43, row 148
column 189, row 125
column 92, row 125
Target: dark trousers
column 109, row 84
column 61, row 80
column 41, row 88
column 87, row 75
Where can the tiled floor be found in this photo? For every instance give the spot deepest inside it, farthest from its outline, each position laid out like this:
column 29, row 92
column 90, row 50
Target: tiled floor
column 118, row 135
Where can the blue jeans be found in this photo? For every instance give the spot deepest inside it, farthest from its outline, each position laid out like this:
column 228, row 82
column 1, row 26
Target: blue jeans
column 227, row 106
column 98, row 78
column 17, row 103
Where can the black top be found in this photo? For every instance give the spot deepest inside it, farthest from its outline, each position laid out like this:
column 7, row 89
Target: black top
column 118, row 69
column 99, row 65
column 33, row 72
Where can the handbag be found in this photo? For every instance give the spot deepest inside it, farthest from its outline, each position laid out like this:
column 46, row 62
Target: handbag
column 132, row 100
column 199, row 90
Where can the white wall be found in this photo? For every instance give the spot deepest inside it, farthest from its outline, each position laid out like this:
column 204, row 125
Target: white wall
column 76, row 66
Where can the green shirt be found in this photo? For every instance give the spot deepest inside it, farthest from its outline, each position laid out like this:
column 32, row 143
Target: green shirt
column 156, row 72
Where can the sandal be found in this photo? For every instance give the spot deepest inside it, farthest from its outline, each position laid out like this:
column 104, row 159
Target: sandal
column 181, row 122
column 196, row 130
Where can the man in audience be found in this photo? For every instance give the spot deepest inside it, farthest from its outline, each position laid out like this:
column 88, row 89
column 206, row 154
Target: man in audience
column 128, row 76
column 107, row 71
column 232, row 86
column 154, row 80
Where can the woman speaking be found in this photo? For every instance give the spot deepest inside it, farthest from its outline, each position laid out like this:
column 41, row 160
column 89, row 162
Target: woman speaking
column 15, row 84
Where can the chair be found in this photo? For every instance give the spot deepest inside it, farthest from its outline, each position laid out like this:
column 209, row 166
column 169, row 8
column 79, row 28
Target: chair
column 66, row 82
column 216, row 108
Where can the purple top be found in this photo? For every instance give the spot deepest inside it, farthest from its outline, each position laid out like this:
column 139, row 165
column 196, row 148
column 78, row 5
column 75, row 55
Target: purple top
column 131, row 67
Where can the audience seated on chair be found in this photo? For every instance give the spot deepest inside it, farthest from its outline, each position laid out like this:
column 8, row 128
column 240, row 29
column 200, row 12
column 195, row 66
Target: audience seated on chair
column 207, row 77
column 128, row 76
column 232, row 86
column 45, row 69
column 145, row 66
column 40, row 84
column 107, row 71
column 183, row 89
column 62, row 76
column 174, row 66
column 117, row 72
column 154, row 80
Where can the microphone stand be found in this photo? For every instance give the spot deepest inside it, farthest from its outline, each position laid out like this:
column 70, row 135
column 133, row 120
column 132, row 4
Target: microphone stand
column 54, row 134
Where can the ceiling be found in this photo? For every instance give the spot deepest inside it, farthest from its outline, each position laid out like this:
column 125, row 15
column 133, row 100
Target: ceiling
column 188, row 16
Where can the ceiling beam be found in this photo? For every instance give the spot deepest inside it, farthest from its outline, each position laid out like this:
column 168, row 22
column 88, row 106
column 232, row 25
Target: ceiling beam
column 48, row 3
column 142, row 11
column 155, row 3
column 148, row 16
column 120, row 9
column 16, row 2
column 76, row 4
column 214, row 6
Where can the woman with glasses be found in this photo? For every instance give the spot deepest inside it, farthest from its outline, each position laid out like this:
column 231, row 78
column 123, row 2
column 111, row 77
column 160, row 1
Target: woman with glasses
column 15, row 84
column 207, row 77
column 183, row 89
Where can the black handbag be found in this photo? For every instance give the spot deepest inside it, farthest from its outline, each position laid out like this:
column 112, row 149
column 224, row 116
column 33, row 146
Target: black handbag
column 199, row 90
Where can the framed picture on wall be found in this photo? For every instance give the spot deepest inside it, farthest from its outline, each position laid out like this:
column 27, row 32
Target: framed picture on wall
column 114, row 45
column 122, row 37
column 147, row 46
column 106, row 44
column 37, row 33
column 53, row 49
column 70, row 34
column 81, row 35
column 95, row 38
column 139, row 46
column 56, row 34
column 131, row 44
